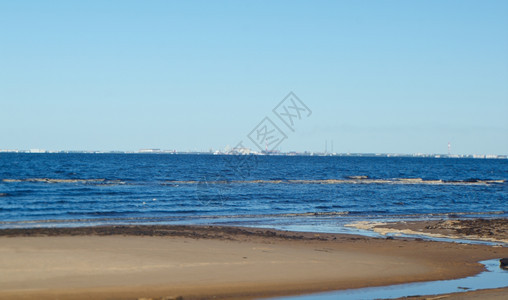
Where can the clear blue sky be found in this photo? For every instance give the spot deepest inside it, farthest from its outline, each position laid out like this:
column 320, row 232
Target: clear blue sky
column 379, row 76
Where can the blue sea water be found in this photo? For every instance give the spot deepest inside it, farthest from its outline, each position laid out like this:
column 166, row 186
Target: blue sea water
column 288, row 192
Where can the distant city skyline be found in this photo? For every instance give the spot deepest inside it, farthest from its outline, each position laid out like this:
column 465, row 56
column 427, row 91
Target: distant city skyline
column 228, row 150
column 377, row 76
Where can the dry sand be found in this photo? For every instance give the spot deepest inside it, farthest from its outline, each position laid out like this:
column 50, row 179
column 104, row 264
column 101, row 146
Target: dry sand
column 130, row 262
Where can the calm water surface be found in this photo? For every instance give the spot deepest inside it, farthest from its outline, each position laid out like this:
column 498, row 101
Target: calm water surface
column 277, row 191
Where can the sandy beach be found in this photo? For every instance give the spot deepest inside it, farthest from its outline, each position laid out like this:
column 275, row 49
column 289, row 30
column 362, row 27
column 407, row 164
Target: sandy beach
column 193, row 262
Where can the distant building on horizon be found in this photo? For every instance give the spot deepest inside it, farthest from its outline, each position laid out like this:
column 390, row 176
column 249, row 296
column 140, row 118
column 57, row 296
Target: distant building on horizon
column 149, row 151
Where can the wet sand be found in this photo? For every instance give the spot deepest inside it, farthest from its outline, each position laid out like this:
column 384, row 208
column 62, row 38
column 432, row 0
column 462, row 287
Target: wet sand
column 492, row 230
column 494, row 294
column 198, row 262
column 491, row 294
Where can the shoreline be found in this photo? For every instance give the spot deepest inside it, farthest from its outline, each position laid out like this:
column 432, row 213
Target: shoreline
column 490, row 294
column 197, row 262
column 493, row 230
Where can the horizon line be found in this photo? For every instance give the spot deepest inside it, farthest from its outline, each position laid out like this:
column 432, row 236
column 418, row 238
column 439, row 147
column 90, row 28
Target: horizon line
column 265, row 153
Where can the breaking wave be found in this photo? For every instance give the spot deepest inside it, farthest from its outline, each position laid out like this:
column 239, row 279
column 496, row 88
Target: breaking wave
column 56, row 180
column 360, row 179
column 350, row 180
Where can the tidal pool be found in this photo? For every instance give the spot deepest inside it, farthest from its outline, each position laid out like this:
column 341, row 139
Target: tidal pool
column 493, row 277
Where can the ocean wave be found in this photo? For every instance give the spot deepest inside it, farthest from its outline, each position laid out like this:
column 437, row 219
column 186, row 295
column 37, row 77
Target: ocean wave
column 307, row 214
column 170, row 217
column 350, row 180
column 100, row 181
column 453, row 214
column 357, row 179
column 239, row 219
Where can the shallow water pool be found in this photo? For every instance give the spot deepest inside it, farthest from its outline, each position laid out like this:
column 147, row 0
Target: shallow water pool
column 493, row 277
